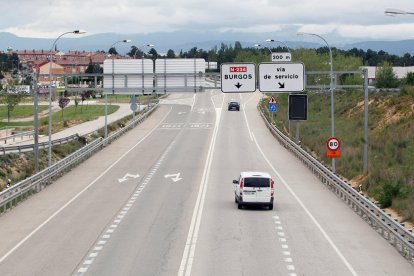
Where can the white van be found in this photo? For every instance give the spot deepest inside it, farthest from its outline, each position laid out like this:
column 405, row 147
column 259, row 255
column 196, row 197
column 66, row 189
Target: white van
column 254, row 188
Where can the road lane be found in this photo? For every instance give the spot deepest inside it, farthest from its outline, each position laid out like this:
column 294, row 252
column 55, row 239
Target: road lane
column 142, row 226
column 57, row 247
column 150, row 238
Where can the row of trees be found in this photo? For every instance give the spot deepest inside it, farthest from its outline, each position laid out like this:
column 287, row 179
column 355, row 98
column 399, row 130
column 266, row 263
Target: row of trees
column 229, row 53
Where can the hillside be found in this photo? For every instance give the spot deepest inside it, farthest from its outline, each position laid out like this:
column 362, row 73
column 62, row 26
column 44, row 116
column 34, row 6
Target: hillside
column 390, row 178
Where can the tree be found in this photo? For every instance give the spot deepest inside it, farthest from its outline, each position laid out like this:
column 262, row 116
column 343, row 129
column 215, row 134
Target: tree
column 385, row 77
column 112, row 51
column 409, row 79
column 94, row 69
column 153, row 53
column 170, row 53
column 9, row 97
column 63, row 102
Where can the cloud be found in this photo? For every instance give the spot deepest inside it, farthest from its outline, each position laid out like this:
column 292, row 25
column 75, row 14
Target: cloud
column 47, row 18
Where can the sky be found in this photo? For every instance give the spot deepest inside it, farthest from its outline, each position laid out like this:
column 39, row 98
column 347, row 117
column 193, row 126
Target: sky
column 353, row 19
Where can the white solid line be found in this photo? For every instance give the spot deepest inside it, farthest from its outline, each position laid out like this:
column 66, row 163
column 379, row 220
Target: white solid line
column 193, row 104
column 189, row 249
column 247, row 123
column 338, row 252
column 80, row 193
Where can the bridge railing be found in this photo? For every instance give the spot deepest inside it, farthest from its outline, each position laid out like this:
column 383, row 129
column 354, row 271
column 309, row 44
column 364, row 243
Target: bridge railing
column 17, row 193
column 390, row 229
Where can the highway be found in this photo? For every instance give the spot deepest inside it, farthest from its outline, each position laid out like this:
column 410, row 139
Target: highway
column 160, row 201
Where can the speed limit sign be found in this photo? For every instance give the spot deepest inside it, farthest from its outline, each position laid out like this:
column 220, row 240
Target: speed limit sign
column 333, row 143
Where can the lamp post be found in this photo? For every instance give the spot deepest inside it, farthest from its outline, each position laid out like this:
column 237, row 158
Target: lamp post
column 330, row 87
column 113, row 79
column 50, row 94
column 142, row 66
column 394, row 12
column 281, row 42
column 260, row 45
column 284, row 45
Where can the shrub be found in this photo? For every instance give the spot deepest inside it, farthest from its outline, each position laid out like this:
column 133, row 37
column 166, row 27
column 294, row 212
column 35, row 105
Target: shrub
column 388, row 193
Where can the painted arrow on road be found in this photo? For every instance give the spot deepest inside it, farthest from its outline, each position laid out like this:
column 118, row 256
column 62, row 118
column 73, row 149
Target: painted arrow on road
column 125, row 178
column 174, row 177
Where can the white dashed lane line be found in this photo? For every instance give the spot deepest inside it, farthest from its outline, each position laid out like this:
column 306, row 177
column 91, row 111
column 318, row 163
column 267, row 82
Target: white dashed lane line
column 285, row 246
column 110, row 230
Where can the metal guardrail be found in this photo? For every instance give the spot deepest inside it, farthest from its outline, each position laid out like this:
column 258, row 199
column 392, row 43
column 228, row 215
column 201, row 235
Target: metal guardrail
column 14, row 136
column 20, row 191
column 43, row 145
column 390, row 229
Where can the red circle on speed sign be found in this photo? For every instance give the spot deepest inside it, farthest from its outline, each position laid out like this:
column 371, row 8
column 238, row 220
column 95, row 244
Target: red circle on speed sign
column 333, row 143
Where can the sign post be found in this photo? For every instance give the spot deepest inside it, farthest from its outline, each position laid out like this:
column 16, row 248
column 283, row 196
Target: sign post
column 272, row 106
column 238, row 77
column 333, row 145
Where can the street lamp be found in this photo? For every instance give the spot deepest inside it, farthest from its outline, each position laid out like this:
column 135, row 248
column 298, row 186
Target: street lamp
column 142, row 62
column 394, row 12
column 50, row 94
column 106, row 95
column 140, row 47
column 331, row 89
column 281, row 42
column 260, row 45
column 284, row 45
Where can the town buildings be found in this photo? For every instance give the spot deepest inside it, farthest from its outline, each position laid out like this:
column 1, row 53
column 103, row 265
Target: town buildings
column 71, row 62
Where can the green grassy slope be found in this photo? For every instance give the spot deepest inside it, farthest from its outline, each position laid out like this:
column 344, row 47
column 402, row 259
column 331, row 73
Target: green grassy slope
column 390, row 178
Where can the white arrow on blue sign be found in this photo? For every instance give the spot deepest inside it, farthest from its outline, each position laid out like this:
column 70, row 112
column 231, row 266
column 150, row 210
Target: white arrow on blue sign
column 272, row 107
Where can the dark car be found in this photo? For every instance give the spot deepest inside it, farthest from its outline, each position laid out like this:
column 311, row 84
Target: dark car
column 233, row 105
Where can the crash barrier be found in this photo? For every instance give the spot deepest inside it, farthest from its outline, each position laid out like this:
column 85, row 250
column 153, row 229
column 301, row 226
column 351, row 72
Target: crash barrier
column 43, row 145
column 17, row 193
column 17, row 135
column 390, row 229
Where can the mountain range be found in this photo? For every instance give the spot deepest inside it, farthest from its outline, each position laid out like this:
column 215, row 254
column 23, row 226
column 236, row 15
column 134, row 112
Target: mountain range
column 185, row 40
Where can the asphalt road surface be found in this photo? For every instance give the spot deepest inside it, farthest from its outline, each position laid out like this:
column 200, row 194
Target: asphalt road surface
column 160, row 201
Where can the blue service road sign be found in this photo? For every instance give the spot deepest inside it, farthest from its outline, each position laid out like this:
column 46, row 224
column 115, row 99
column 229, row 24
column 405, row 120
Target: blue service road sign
column 272, row 107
